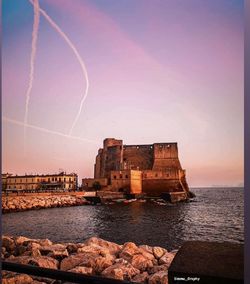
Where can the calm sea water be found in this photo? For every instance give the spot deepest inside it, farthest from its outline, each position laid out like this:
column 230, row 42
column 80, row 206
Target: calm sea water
column 214, row 215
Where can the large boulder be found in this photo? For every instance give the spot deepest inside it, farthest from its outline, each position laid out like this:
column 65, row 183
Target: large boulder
column 129, row 249
column 82, row 270
column 157, row 268
column 112, row 247
column 141, row 262
column 147, row 248
column 160, row 277
column 44, row 261
column 8, row 243
column 167, row 258
column 95, row 249
column 14, row 278
column 159, row 252
column 141, row 278
column 128, row 271
column 102, row 263
column 79, row 259
column 20, row 240
column 56, row 251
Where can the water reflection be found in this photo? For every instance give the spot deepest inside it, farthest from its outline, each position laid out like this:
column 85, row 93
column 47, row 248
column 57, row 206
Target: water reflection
column 216, row 215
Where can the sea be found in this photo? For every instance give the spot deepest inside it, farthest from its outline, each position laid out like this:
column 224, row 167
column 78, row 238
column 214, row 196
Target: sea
column 215, row 214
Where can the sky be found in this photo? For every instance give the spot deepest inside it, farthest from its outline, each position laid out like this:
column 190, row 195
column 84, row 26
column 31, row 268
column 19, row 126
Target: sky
column 158, row 71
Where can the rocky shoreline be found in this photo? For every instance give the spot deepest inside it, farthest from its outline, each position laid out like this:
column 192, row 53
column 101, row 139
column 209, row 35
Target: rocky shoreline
column 94, row 256
column 23, row 203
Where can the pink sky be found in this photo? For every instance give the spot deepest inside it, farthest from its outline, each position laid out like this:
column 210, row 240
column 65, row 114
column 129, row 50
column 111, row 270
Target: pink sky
column 162, row 72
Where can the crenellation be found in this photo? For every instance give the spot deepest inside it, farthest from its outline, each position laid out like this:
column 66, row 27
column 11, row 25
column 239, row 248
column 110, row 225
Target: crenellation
column 149, row 168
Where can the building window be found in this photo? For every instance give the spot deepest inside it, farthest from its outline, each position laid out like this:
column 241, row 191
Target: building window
column 38, row 179
column 120, row 176
column 64, row 179
column 52, row 179
column 126, row 176
column 69, row 179
column 114, row 177
column 20, row 180
column 156, row 175
column 55, row 179
column 32, row 180
column 59, row 179
column 48, row 179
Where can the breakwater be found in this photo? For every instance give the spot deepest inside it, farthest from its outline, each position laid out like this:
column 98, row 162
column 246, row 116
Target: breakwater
column 15, row 203
column 94, row 256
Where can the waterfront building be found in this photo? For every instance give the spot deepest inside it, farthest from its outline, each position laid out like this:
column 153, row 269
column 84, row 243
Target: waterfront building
column 60, row 181
column 150, row 169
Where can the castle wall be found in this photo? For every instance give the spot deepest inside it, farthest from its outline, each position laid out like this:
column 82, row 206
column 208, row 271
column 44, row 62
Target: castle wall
column 153, row 169
column 127, row 181
column 138, row 157
column 135, row 182
column 166, row 156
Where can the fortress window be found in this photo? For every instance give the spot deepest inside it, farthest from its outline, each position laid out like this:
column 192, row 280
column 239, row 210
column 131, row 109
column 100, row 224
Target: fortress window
column 114, row 177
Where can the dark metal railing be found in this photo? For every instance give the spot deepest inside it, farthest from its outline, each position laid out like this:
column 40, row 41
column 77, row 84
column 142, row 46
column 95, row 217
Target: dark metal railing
column 58, row 274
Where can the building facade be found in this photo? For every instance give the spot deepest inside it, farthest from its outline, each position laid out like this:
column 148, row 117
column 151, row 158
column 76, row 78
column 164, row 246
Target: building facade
column 151, row 169
column 61, row 181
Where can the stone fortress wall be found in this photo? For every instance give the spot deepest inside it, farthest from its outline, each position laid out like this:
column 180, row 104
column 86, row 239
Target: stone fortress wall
column 156, row 165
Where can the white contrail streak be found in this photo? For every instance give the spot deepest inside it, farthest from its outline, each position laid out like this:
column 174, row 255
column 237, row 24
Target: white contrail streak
column 32, row 57
column 80, row 60
column 32, row 64
column 45, row 130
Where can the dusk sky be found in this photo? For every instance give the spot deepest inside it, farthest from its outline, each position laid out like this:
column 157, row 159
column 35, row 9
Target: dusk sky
column 159, row 71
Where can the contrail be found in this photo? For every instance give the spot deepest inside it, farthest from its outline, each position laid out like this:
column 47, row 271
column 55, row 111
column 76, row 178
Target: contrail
column 80, row 60
column 32, row 61
column 45, row 130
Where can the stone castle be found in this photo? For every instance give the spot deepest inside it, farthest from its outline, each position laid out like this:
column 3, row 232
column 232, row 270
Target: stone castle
column 139, row 169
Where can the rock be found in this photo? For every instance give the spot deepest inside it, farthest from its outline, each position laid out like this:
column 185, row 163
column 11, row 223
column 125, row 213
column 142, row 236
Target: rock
column 167, row 258
column 112, row 247
column 95, row 249
column 20, row 259
column 140, row 278
column 146, row 253
column 140, row 262
column 20, row 250
column 82, row 269
column 15, row 278
column 128, row 271
column 115, row 273
column 80, row 259
column 128, row 250
column 158, row 252
column 44, row 261
column 20, row 240
column 147, row 248
column 41, row 242
column 56, row 251
column 160, row 277
column 71, row 248
column 102, row 263
column 157, row 268
column 8, row 243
